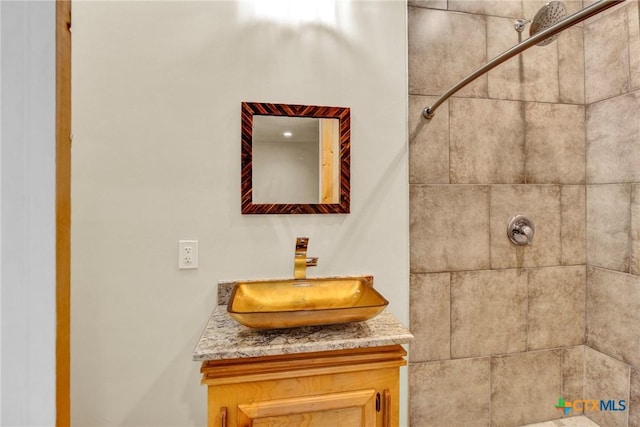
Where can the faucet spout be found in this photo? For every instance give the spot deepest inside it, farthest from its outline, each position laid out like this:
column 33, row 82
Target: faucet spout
column 300, row 260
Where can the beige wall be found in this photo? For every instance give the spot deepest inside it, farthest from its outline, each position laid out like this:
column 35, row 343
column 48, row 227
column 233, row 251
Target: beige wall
column 156, row 158
column 612, row 64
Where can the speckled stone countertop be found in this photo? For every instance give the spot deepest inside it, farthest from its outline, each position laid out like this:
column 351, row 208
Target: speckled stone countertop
column 224, row 338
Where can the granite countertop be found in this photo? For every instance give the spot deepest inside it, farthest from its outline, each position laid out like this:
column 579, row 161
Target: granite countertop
column 224, row 338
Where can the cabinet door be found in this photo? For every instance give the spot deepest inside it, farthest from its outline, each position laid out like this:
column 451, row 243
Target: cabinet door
column 348, row 409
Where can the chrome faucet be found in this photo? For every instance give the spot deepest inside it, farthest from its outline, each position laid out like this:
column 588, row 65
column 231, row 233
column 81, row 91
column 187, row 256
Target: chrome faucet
column 300, row 261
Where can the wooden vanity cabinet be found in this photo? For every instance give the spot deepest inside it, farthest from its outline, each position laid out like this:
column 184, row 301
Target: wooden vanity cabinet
column 358, row 387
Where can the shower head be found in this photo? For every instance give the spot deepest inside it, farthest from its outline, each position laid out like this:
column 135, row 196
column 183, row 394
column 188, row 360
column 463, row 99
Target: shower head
column 548, row 15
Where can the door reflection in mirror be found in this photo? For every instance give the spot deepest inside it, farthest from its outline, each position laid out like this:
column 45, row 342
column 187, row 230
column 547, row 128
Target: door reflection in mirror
column 295, row 160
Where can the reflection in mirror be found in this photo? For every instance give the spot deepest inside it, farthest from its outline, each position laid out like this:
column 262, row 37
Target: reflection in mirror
column 285, row 160
column 295, row 159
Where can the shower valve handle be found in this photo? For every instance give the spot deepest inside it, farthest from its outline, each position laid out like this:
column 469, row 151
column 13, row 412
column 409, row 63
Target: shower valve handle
column 520, row 230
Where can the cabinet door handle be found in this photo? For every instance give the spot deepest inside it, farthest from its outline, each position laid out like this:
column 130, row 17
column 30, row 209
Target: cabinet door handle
column 386, row 416
column 223, row 416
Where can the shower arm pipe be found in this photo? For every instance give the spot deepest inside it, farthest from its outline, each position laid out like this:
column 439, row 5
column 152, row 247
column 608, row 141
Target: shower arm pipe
column 569, row 21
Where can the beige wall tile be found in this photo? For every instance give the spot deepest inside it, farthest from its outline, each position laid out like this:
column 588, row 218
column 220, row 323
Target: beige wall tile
column 579, row 421
column 555, row 143
column 449, row 228
column 573, row 228
column 449, row 393
column 571, row 65
column 606, row 378
column 603, row 14
column 573, row 375
column 509, row 8
column 530, row 7
column 488, row 312
column 589, row 3
column 542, row 204
column 524, row 387
column 608, row 226
column 613, row 314
column 428, row 143
column 443, row 48
column 429, row 316
column 572, row 6
column 606, row 56
column 483, row 149
column 634, row 399
column 635, row 229
column 505, row 80
column 613, row 133
column 634, row 44
column 532, row 76
column 529, row 10
column 556, row 307
column 540, row 71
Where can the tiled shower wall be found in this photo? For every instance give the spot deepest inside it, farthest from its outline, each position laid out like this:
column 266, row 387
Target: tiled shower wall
column 612, row 75
column 500, row 330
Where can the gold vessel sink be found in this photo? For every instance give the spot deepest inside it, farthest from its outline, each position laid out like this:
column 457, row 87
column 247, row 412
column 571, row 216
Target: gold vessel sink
column 271, row 304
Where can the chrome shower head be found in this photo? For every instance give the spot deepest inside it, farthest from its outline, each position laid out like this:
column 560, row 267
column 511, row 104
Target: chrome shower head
column 548, row 15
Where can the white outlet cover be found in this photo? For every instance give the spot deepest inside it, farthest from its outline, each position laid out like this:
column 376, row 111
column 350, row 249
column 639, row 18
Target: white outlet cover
column 187, row 254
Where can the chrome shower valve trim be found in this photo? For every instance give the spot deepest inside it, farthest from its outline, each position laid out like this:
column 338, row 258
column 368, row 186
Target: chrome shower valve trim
column 520, row 230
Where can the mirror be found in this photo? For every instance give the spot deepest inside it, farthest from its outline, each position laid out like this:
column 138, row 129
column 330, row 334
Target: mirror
column 295, row 159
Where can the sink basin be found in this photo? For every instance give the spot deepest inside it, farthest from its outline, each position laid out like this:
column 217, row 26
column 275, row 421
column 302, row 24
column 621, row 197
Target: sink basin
column 271, row 304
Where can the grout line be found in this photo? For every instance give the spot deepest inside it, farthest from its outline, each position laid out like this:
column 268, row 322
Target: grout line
column 490, row 202
column 531, row 267
column 562, row 224
column 610, row 270
column 627, row 20
column 450, row 318
column 557, row 43
column 586, row 298
column 449, row 108
column 632, row 252
column 584, row 371
column 523, row 111
column 526, row 319
column 485, row 76
column 628, row 395
column 611, row 97
column 584, row 73
column 490, row 387
column 562, row 354
column 630, row 242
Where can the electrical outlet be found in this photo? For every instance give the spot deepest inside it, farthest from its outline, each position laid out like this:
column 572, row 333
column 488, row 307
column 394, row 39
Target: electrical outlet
column 187, row 254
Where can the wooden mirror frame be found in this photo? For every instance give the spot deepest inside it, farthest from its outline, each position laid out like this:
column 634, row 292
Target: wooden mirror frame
column 251, row 109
